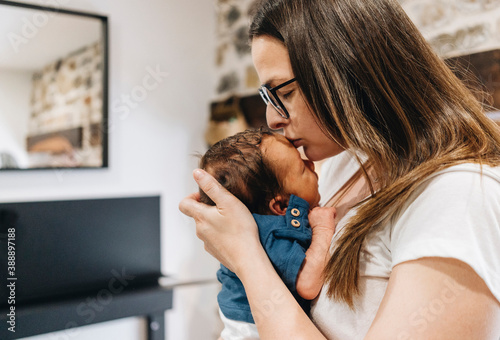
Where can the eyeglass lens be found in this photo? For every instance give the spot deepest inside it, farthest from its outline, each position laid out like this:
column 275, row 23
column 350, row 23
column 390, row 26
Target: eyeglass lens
column 268, row 97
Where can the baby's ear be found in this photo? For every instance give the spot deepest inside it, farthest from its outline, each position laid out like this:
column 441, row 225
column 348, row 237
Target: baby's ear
column 278, row 205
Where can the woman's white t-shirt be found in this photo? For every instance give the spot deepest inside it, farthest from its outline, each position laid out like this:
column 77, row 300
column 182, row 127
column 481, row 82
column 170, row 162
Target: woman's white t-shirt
column 453, row 214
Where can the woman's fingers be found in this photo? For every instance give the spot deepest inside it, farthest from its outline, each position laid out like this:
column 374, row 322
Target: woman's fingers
column 191, row 205
column 226, row 204
column 219, row 195
column 226, row 228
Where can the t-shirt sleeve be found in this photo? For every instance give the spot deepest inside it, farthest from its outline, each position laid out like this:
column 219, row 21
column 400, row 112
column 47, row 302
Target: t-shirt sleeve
column 454, row 215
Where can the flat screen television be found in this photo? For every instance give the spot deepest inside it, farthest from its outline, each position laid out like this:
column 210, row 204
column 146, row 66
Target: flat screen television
column 66, row 248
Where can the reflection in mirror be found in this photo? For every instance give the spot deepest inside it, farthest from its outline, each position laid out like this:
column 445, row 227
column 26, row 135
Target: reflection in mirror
column 53, row 88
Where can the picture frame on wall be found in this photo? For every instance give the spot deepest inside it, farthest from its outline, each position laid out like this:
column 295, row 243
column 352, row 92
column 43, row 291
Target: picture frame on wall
column 53, row 88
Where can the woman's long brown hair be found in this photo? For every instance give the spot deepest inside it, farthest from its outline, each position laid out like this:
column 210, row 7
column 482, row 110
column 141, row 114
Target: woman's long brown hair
column 375, row 84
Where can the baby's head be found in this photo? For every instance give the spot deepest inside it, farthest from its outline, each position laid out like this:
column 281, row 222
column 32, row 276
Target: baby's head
column 262, row 169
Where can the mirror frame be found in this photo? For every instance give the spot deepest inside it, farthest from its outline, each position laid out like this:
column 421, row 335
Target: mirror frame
column 105, row 78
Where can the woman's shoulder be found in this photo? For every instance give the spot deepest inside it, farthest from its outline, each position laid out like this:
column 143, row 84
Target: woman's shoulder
column 469, row 170
column 457, row 183
column 455, row 214
column 470, row 186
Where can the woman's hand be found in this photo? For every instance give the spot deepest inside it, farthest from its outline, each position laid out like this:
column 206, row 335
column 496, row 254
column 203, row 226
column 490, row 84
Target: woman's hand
column 228, row 229
column 230, row 235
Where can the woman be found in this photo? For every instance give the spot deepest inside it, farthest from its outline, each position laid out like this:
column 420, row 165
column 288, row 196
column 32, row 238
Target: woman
column 418, row 257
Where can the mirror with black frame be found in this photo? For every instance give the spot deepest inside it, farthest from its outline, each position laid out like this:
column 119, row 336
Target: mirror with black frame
column 53, row 88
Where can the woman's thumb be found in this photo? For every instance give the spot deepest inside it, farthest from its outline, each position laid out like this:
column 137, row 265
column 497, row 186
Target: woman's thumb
column 210, row 186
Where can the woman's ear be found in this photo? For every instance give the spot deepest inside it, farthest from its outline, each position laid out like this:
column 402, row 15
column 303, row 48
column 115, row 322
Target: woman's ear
column 278, row 205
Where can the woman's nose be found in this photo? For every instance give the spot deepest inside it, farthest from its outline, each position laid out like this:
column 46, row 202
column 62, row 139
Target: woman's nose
column 274, row 120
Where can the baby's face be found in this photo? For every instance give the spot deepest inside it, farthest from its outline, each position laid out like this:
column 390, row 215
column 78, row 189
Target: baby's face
column 297, row 175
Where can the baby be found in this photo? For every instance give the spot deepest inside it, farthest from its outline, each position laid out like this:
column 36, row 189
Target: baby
column 264, row 170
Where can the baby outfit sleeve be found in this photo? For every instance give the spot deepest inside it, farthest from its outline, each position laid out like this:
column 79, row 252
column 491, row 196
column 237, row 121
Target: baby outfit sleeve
column 455, row 214
column 285, row 239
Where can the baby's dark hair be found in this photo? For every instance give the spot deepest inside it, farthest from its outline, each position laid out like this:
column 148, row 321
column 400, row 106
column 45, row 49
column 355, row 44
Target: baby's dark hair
column 237, row 163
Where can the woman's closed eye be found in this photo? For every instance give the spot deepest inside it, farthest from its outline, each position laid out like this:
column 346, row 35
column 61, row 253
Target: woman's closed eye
column 287, row 95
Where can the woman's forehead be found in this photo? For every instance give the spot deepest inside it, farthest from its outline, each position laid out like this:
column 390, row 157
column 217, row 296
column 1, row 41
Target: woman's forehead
column 271, row 60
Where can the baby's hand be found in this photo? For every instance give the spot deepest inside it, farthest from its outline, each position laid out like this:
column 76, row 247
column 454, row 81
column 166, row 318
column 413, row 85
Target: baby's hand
column 322, row 220
column 310, row 278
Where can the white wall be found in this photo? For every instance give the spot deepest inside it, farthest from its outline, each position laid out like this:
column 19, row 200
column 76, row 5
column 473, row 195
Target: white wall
column 150, row 145
column 15, row 94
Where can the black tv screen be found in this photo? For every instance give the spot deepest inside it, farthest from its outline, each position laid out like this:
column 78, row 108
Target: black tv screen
column 65, row 248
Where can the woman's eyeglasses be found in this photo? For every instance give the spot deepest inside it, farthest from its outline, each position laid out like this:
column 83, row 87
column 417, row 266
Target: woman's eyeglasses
column 269, row 95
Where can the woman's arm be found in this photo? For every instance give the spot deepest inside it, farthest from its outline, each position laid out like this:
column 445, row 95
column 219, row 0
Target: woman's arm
column 436, row 298
column 276, row 313
column 229, row 233
column 310, row 278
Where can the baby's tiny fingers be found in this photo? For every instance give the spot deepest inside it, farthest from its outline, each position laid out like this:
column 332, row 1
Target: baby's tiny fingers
column 323, row 213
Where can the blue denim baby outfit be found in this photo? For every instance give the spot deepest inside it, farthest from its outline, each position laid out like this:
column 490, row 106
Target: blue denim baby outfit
column 285, row 239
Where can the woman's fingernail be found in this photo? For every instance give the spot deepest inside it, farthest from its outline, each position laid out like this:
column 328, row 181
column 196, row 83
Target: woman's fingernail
column 198, row 174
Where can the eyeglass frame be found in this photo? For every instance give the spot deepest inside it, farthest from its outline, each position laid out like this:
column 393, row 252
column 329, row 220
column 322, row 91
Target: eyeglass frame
column 265, row 97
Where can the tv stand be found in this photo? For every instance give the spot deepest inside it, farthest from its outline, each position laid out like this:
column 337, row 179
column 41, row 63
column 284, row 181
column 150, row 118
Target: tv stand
column 88, row 309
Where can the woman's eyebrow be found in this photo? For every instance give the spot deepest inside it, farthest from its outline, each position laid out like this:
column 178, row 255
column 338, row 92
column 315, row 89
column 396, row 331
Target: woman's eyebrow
column 275, row 81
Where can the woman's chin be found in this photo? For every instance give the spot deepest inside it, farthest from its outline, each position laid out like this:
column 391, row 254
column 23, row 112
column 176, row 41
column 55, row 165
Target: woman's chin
column 316, row 155
column 313, row 155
